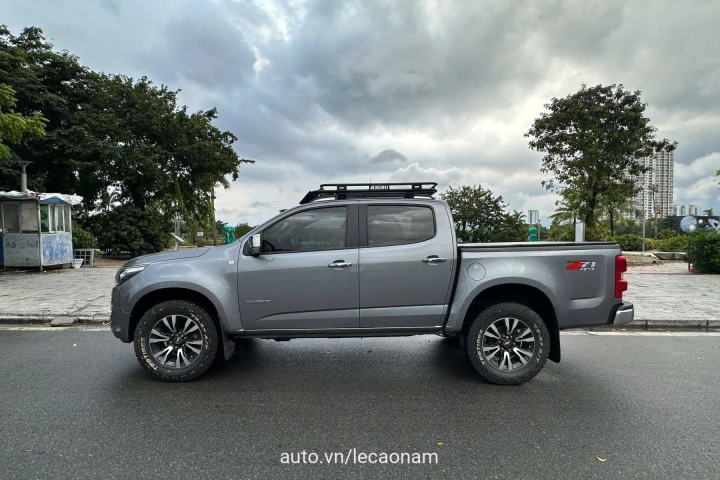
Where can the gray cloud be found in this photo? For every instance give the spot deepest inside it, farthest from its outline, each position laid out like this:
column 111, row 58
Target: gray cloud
column 202, row 45
column 308, row 87
column 388, row 156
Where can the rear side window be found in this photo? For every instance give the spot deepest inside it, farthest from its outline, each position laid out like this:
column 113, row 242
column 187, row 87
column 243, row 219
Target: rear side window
column 399, row 224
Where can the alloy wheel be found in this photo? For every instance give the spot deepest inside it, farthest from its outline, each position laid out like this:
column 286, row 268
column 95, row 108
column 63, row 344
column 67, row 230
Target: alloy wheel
column 176, row 341
column 507, row 344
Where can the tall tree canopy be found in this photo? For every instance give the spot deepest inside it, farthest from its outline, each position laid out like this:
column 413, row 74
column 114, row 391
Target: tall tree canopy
column 14, row 126
column 113, row 133
column 593, row 141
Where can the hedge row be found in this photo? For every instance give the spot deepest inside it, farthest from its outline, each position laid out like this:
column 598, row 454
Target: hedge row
column 633, row 243
column 704, row 252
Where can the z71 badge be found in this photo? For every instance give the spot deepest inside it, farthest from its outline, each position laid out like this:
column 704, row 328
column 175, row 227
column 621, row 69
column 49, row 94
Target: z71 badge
column 580, row 265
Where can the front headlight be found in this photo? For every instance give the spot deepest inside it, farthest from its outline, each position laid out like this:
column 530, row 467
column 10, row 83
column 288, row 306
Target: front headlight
column 126, row 273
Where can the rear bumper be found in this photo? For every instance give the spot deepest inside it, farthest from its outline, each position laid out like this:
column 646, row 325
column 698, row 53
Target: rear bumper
column 624, row 314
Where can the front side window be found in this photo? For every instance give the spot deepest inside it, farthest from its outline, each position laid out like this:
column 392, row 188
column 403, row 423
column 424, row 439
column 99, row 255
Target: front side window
column 399, row 224
column 319, row 229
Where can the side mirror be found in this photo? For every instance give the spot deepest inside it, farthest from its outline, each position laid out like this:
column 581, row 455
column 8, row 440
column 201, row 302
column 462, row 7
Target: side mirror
column 255, row 243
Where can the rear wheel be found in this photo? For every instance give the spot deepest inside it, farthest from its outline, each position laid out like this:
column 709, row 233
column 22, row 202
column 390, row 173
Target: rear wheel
column 176, row 341
column 508, row 343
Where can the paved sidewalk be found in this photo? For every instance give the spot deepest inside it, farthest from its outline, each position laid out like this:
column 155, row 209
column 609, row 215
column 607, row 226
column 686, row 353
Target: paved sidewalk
column 664, row 295
column 83, row 293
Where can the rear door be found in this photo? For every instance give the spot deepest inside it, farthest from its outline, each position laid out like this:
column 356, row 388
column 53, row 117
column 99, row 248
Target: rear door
column 406, row 263
column 306, row 276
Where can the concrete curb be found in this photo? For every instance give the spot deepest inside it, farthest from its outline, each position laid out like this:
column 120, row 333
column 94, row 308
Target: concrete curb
column 64, row 319
column 104, row 319
column 673, row 323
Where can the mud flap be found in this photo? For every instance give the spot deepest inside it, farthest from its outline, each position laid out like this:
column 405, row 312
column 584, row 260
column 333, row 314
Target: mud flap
column 554, row 345
column 228, row 347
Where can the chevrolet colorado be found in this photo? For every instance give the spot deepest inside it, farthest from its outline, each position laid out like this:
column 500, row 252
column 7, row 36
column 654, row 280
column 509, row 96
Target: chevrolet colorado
column 359, row 260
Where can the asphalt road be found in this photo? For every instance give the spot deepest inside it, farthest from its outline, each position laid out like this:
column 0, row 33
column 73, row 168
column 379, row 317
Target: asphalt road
column 75, row 404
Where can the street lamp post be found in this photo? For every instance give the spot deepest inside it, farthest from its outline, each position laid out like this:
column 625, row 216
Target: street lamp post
column 643, row 228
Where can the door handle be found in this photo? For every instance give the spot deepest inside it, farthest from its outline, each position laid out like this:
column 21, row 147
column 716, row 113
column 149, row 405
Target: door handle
column 339, row 264
column 434, row 259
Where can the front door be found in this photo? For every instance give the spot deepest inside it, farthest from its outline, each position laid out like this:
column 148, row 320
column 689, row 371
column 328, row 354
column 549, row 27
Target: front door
column 306, row 276
column 406, row 267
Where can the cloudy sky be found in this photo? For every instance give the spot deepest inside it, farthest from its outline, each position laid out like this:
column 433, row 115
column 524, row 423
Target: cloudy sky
column 432, row 90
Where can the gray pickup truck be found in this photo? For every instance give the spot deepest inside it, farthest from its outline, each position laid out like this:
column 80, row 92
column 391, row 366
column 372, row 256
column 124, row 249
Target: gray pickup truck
column 367, row 260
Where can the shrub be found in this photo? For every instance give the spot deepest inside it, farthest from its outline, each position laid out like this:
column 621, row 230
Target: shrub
column 562, row 233
column 650, row 243
column 592, row 234
column 666, row 233
column 131, row 229
column 704, row 251
column 81, row 238
column 629, row 242
column 675, row 244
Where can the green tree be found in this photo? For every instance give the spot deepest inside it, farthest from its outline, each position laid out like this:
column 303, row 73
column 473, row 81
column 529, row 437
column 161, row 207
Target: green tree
column 241, row 229
column 512, row 228
column 48, row 82
column 476, row 212
column 114, row 134
column 128, row 229
column 667, row 223
column 593, row 141
column 709, row 212
column 561, row 232
column 14, row 126
column 152, row 152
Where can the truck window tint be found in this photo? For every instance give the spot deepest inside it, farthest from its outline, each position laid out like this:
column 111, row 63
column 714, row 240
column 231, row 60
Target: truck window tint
column 319, row 229
column 399, row 225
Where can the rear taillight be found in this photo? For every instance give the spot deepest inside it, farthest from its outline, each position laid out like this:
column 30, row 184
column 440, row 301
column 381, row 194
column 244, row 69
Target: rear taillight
column 620, row 268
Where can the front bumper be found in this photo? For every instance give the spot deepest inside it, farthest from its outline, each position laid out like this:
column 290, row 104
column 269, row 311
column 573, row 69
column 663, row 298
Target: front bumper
column 624, row 314
column 119, row 318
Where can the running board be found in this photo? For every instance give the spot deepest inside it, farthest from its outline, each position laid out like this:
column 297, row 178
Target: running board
column 337, row 332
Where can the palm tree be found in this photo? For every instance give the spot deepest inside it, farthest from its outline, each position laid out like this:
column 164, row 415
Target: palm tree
column 616, row 213
column 708, row 212
column 565, row 212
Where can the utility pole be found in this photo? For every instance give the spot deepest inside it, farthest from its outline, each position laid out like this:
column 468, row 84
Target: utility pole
column 214, row 223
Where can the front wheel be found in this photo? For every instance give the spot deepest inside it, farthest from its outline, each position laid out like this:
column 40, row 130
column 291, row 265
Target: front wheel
column 508, row 343
column 176, row 341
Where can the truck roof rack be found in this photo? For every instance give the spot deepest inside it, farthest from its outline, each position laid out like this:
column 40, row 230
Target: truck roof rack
column 344, row 191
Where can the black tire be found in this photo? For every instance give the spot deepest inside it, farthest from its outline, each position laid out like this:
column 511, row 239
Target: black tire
column 519, row 367
column 204, row 337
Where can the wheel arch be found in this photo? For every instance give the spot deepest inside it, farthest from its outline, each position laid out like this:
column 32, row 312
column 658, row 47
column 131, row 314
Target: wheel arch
column 527, row 295
column 165, row 294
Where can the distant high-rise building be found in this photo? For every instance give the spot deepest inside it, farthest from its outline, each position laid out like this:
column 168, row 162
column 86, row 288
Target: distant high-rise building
column 656, row 185
column 686, row 209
